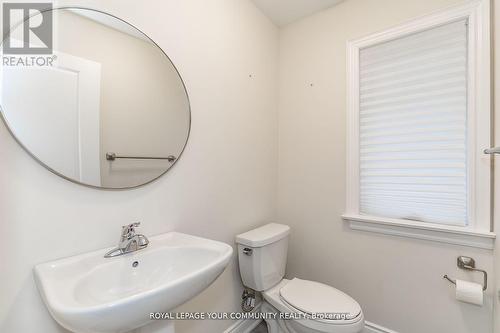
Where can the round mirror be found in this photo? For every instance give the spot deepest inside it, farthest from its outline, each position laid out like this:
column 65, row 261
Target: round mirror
column 91, row 97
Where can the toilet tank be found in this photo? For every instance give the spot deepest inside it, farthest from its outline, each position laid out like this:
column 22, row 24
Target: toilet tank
column 262, row 255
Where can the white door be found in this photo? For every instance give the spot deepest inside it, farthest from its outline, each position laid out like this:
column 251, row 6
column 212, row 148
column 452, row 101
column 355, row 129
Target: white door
column 54, row 113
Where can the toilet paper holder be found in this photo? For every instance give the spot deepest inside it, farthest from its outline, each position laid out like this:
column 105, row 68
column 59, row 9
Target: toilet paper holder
column 469, row 264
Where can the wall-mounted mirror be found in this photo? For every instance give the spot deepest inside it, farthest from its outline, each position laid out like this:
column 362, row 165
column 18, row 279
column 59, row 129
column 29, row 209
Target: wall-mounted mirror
column 99, row 104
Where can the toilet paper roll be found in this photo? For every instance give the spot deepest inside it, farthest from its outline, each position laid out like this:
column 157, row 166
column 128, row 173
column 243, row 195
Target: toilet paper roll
column 469, row 292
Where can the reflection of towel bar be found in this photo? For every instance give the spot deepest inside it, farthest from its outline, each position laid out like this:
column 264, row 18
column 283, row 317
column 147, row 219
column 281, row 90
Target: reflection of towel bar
column 470, row 265
column 113, row 156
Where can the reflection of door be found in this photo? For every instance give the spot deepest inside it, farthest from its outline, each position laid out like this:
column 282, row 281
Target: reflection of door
column 54, row 112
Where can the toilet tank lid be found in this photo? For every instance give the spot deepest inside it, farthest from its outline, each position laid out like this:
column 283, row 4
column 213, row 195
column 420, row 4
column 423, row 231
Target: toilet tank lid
column 264, row 235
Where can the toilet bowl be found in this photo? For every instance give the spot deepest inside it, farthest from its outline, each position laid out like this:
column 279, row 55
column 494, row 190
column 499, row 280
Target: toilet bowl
column 296, row 305
column 335, row 311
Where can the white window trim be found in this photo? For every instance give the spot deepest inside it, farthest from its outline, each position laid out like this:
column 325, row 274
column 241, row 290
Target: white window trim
column 478, row 232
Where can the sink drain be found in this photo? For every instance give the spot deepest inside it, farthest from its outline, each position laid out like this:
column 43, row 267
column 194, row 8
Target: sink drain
column 135, row 264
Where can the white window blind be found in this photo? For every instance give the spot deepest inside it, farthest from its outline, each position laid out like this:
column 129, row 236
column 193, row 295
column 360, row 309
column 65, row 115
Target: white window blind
column 413, row 127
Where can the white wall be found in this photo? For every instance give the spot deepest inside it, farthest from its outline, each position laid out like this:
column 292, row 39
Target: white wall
column 496, row 199
column 224, row 184
column 398, row 281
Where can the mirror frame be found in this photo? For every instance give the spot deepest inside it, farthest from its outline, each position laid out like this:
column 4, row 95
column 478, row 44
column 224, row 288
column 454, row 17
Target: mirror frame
column 6, row 123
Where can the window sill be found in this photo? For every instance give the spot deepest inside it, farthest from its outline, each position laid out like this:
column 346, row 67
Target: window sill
column 420, row 230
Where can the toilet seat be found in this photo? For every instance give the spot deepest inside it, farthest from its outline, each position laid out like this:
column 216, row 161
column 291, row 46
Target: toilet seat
column 314, row 298
column 274, row 297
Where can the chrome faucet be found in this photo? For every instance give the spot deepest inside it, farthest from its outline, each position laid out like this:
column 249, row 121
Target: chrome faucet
column 129, row 241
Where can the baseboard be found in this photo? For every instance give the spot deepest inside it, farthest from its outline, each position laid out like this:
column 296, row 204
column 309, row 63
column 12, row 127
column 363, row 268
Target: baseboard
column 374, row 328
column 244, row 325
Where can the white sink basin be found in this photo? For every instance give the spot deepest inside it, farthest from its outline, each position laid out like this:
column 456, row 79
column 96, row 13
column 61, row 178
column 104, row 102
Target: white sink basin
column 91, row 294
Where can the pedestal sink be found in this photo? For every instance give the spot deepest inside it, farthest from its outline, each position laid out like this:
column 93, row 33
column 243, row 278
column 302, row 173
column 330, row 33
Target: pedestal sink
column 91, row 294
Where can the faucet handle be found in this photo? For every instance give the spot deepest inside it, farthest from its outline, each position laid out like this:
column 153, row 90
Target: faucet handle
column 128, row 231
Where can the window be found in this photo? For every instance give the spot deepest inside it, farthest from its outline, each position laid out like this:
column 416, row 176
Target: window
column 419, row 118
column 413, row 126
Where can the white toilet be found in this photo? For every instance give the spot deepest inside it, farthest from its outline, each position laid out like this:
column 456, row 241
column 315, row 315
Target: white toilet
column 296, row 306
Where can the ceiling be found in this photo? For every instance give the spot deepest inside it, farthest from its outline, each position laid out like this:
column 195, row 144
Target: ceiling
column 282, row 12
